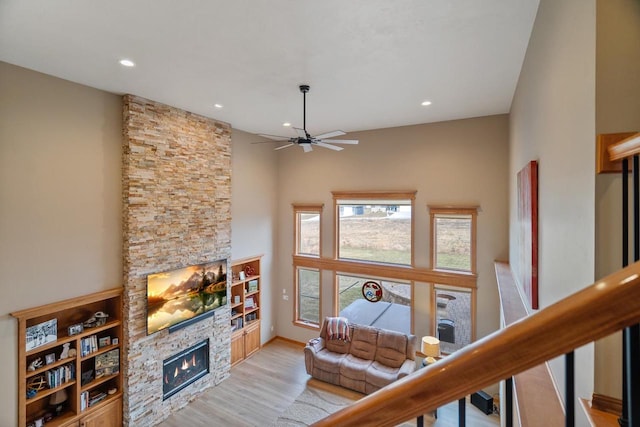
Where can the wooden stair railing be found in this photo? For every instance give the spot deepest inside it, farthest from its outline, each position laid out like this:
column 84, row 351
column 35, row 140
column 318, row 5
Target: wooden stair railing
column 601, row 309
column 625, row 148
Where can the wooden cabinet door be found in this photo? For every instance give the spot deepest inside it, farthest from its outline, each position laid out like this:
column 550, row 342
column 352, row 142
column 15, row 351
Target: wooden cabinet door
column 237, row 347
column 252, row 339
column 75, row 423
column 108, row 416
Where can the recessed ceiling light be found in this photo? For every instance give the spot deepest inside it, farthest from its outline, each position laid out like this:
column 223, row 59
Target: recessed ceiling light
column 127, row 63
column 425, row 103
column 218, row 105
column 286, row 124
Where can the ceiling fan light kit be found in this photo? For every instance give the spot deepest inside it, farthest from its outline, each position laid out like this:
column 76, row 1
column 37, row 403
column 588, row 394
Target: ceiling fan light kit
column 306, row 141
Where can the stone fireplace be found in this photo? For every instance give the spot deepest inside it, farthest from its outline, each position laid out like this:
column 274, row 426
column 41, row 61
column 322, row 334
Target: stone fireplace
column 184, row 368
column 176, row 172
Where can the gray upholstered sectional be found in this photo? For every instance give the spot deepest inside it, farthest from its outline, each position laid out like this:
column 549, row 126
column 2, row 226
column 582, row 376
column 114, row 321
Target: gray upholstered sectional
column 372, row 359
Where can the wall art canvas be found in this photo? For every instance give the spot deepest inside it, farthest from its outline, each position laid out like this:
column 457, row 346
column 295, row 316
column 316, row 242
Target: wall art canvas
column 527, row 268
column 42, row 333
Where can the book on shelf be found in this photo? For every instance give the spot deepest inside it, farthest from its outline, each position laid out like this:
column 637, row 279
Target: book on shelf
column 96, row 396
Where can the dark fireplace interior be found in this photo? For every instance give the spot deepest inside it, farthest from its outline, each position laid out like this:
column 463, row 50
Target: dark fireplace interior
column 184, row 368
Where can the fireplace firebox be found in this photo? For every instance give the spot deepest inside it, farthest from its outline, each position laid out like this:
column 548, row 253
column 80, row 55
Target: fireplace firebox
column 184, row 368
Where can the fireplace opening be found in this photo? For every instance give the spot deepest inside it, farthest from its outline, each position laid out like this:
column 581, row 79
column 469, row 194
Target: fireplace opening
column 184, row 368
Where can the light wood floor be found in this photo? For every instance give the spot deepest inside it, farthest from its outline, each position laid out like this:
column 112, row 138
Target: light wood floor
column 263, row 386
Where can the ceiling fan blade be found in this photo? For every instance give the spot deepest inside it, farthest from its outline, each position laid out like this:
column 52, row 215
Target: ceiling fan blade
column 341, row 141
column 274, row 137
column 330, row 134
column 306, row 147
column 301, row 133
column 284, row 146
column 329, row 146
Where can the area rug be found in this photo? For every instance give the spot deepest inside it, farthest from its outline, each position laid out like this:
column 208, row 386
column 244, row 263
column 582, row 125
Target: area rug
column 317, row 402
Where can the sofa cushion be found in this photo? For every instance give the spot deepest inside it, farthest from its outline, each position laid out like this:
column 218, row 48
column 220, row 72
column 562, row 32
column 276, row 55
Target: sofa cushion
column 354, row 367
column 392, row 348
column 381, row 375
column 363, row 342
column 328, row 360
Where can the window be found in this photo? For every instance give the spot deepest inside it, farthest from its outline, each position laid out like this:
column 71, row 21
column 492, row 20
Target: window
column 392, row 312
column 453, row 240
column 453, row 317
column 308, row 296
column 307, row 229
column 376, row 227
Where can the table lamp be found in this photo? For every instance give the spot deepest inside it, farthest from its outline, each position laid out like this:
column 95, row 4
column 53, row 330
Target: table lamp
column 57, row 399
column 430, row 348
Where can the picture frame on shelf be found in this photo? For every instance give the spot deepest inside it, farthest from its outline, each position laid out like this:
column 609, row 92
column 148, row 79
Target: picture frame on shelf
column 115, row 341
column 42, row 334
column 50, row 358
column 104, row 342
column 76, row 329
column 107, row 363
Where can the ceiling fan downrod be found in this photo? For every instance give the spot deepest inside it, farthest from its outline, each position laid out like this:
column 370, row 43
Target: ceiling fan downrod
column 304, row 89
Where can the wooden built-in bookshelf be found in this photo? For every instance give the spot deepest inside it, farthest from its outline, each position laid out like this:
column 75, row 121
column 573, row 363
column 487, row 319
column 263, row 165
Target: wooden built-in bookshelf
column 44, row 333
column 246, row 285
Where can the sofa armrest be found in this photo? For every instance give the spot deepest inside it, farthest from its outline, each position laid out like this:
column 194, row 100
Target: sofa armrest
column 313, row 347
column 407, row 367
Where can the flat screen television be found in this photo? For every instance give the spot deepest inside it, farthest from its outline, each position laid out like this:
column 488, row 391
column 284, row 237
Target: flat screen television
column 180, row 297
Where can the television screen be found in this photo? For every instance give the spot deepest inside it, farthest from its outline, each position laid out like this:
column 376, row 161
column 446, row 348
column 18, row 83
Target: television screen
column 177, row 296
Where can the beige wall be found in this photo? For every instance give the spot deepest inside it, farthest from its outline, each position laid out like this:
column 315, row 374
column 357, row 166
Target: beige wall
column 617, row 110
column 457, row 162
column 60, row 200
column 553, row 121
column 254, row 195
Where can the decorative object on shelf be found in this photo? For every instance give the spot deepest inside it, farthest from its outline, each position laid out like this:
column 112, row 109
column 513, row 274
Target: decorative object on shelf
column 75, row 329
column 35, row 364
column 36, row 383
column 65, row 350
column 372, row 291
column 57, row 400
column 249, row 270
column 72, row 352
column 236, row 299
column 86, row 377
column 42, row 333
column 99, row 318
column 112, row 390
column 50, row 358
column 241, row 275
column 249, row 303
column 115, row 341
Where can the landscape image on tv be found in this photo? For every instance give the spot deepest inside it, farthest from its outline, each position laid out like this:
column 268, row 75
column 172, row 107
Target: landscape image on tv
column 179, row 295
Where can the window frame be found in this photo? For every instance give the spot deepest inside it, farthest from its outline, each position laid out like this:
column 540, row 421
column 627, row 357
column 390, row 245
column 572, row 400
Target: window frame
column 372, row 196
column 296, row 295
column 435, row 287
column 436, row 211
column 306, row 209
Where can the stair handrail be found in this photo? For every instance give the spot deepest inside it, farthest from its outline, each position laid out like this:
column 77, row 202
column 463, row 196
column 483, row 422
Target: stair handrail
column 601, row 309
column 625, row 148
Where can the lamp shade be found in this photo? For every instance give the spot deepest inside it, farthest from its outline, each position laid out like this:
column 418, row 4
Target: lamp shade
column 58, row 398
column 430, row 346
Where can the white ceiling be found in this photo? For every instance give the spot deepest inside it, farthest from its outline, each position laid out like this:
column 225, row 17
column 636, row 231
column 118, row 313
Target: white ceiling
column 370, row 63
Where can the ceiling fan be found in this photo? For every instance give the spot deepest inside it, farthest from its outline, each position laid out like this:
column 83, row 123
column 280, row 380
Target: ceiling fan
column 306, row 141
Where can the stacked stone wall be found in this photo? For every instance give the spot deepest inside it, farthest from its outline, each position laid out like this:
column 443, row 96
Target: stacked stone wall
column 177, row 212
